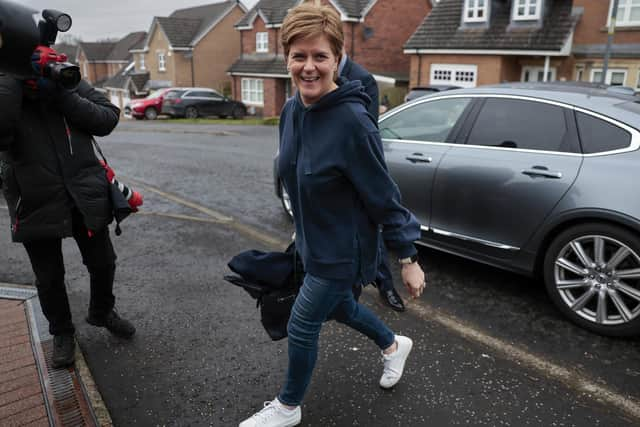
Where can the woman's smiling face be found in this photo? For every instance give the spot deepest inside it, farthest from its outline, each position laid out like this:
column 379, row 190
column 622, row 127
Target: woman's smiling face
column 312, row 65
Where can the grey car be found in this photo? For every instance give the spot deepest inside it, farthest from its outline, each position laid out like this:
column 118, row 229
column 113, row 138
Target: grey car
column 534, row 178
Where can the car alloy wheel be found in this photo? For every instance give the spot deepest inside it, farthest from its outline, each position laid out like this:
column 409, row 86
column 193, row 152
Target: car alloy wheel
column 286, row 202
column 592, row 273
column 191, row 113
column 150, row 113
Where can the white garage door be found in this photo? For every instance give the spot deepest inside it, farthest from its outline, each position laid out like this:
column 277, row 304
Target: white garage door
column 454, row 74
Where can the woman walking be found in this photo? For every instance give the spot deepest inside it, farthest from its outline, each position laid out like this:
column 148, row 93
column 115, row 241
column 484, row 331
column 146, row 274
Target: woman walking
column 332, row 165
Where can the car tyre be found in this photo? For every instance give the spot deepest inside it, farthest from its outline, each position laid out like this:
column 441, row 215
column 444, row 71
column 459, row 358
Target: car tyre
column 592, row 274
column 238, row 113
column 191, row 113
column 150, row 113
column 286, row 202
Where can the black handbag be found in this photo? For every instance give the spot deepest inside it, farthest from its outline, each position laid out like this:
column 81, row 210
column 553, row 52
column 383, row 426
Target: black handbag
column 273, row 279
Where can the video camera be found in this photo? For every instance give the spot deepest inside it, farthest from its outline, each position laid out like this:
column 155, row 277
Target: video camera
column 25, row 44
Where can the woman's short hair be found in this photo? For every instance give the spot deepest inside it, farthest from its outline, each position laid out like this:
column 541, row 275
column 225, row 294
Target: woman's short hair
column 311, row 20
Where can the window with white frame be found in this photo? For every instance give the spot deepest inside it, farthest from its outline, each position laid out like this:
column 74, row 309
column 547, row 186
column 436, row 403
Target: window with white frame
column 526, row 9
column 475, row 10
column 262, row 42
column 162, row 62
column 252, row 92
column 628, row 12
column 142, row 66
column 614, row 77
column 462, row 75
column 579, row 74
column 536, row 74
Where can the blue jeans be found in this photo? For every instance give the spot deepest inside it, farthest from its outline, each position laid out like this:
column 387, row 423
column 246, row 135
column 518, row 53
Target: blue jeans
column 318, row 300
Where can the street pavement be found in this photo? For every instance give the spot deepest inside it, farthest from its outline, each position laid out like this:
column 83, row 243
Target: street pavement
column 489, row 347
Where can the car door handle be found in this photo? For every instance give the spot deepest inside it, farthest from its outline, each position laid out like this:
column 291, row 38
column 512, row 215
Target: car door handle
column 419, row 158
column 542, row 171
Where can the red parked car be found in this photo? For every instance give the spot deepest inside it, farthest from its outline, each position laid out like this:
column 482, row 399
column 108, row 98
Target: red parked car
column 147, row 108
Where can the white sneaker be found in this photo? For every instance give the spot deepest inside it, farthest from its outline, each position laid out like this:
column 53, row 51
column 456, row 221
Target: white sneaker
column 274, row 414
column 394, row 362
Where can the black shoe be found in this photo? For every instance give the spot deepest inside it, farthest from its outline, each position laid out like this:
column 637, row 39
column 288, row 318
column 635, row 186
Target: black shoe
column 392, row 299
column 64, row 351
column 114, row 323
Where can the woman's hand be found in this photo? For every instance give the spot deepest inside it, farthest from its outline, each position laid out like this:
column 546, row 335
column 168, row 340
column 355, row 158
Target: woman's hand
column 414, row 279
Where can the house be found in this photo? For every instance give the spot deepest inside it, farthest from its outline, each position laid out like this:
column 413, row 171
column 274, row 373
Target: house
column 474, row 42
column 375, row 31
column 192, row 47
column 591, row 37
column 98, row 61
column 127, row 83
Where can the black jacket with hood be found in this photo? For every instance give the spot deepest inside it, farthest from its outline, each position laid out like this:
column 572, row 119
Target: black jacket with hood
column 50, row 163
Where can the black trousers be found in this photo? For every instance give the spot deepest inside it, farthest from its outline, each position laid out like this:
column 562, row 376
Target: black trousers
column 48, row 266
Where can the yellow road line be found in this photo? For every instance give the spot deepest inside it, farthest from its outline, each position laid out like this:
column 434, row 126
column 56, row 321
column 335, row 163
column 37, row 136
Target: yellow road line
column 546, row 368
column 217, row 215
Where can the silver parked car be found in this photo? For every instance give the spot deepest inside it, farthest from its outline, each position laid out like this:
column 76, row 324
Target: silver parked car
column 534, row 178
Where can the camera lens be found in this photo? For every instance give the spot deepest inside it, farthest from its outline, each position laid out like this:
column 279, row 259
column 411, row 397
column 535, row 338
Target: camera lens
column 63, row 22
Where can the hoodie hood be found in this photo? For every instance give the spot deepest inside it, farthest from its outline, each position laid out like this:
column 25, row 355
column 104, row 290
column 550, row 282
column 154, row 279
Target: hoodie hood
column 347, row 91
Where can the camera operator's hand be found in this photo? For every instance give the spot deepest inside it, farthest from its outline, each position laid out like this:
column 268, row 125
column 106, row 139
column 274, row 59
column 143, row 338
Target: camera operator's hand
column 41, row 57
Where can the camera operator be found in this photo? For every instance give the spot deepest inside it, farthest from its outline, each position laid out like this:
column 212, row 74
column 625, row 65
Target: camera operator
column 55, row 187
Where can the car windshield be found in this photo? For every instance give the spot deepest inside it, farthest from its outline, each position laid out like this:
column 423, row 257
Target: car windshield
column 156, row 94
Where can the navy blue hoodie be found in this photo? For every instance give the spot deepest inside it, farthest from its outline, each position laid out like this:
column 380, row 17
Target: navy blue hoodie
column 332, row 165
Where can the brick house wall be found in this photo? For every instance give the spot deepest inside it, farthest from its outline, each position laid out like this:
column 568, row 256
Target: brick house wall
column 592, row 27
column 383, row 50
column 96, row 71
column 392, row 23
column 271, row 108
column 181, row 68
column 85, row 69
column 213, row 54
column 158, row 43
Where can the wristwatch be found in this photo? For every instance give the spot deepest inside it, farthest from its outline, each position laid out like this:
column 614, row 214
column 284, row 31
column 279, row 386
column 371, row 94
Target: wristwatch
column 408, row 260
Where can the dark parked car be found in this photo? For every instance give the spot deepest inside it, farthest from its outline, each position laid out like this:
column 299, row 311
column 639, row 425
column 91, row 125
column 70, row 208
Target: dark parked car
column 417, row 92
column 539, row 179
column 196, row 102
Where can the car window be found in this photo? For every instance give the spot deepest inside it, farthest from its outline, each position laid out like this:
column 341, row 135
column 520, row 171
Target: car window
column 515, row 123
column 199, row 94
column 430, row 121
column 597, row 135
column 174, row 94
